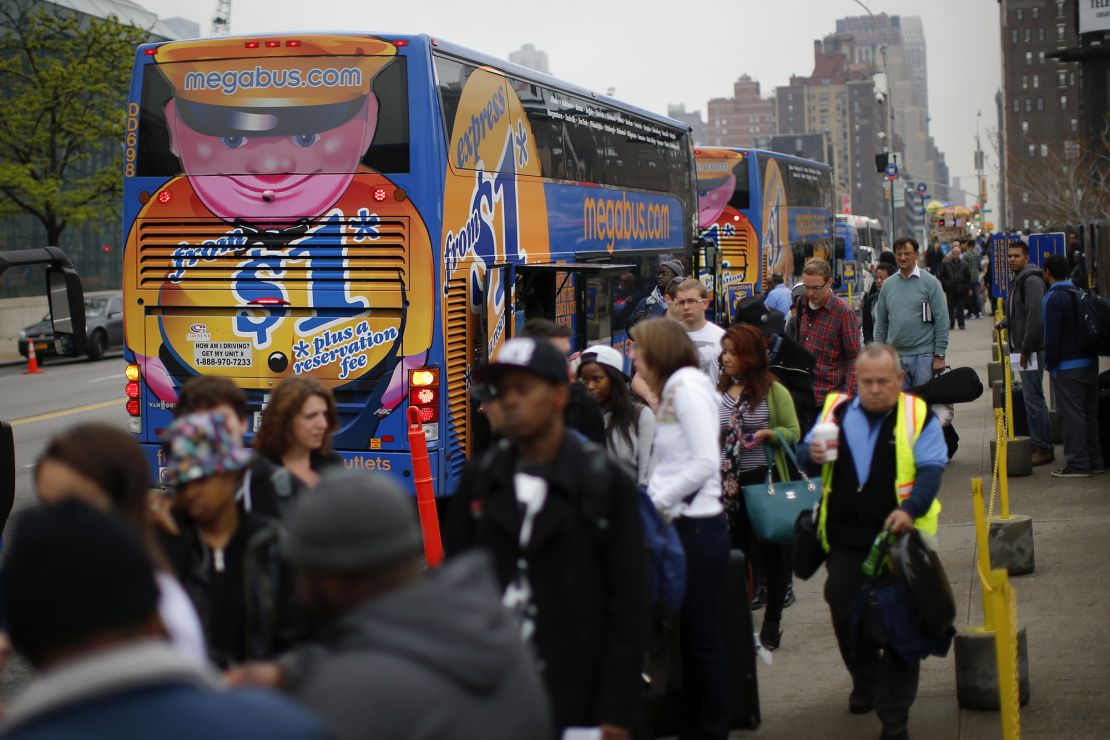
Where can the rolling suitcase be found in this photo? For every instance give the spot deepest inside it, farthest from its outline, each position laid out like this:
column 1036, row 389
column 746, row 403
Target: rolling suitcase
column 740, row 644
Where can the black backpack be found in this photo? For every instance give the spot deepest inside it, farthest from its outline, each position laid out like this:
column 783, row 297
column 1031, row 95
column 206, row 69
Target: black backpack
column 1093, row 318
column 794, row 365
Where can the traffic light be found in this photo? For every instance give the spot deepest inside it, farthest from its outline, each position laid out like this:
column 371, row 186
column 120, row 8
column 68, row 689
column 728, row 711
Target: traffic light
column 940, row 223
column 881, row 161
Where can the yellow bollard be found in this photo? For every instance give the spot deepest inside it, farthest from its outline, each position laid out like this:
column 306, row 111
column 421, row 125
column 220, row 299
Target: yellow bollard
column 997, row 591
column 1000, row 447
column 983, row 547
column 1007, row 385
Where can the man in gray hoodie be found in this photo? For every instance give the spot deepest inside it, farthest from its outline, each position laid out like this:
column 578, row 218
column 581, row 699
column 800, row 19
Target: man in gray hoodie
column 1025, row 334
column 404, row 653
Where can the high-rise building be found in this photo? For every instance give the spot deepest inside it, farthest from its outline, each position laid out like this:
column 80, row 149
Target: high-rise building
column 747, row 119
column 531, row 57
column 838, row 101
column 1040, row 106
column 690, row 118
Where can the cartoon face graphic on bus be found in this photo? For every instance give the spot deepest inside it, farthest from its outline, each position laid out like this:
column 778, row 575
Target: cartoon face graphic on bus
column 718, row 172
column 276, row 251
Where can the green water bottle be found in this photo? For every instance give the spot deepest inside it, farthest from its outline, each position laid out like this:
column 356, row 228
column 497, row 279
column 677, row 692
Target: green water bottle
column 878, row 557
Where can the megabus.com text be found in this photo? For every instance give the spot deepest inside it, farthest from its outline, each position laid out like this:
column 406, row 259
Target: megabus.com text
column 614, row 220
column 253, row 79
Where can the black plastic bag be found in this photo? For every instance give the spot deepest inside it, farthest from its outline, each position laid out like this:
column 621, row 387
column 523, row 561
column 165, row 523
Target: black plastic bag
column 919, row 573
column 961, row 385
column 808, row 553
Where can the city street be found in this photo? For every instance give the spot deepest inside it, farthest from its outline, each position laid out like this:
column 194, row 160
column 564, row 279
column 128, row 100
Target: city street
column 38, row 406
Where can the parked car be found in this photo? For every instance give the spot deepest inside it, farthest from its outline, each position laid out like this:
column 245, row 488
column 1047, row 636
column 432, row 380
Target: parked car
column 104, row 329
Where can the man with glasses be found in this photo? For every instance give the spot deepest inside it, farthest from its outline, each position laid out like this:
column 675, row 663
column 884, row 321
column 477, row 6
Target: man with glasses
column 827, row 326
column 691, row 300
column 906, row 316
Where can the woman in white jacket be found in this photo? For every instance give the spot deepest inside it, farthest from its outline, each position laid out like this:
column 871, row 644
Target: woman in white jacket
column 685, row 486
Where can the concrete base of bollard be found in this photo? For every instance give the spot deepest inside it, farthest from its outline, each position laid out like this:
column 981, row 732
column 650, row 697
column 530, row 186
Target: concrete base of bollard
column 1019, row 457
column 1011, row 544
column 1057, row 427
column 998, row 399
column 977, row 670
column 994, row 372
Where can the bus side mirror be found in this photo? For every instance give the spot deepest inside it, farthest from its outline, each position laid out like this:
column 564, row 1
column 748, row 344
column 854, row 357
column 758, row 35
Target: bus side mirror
column 67, row 310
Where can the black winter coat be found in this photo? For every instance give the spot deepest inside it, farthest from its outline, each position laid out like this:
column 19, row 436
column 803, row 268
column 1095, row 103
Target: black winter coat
column 587, row 566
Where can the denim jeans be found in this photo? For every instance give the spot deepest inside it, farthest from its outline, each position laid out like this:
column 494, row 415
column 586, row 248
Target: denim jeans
column 706, row 710
column 1036, row 410
column 918, row 369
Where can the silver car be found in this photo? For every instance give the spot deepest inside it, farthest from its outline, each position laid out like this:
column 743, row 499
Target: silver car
column 104, row 329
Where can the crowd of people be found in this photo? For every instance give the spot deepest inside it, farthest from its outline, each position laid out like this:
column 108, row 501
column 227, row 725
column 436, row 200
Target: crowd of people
column 304, row 582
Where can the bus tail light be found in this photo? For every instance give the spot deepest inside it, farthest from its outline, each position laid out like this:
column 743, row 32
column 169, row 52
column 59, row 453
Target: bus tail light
column 293, row 43
column 132, row 372
column 379, row 194
column 132, row 389
column 251, row 44
column 424, row 397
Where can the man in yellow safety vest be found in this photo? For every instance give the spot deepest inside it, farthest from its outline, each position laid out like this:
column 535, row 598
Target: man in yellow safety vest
column 890, row 459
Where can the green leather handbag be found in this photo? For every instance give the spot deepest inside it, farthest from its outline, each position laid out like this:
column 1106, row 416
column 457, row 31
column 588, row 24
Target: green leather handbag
column 773, row 507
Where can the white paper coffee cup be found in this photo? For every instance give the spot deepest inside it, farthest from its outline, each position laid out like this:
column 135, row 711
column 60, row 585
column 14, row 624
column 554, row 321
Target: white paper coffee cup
column 828, row 433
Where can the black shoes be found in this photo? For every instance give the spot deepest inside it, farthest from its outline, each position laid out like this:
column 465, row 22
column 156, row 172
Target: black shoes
column 759, row 598
column 770, row 635
column 788, row 600
column 860, row 702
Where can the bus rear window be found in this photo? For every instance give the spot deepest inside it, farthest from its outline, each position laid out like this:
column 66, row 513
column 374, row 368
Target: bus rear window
column 208, row 123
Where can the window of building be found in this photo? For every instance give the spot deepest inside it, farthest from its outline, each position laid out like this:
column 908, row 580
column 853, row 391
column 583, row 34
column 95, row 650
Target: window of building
column 1013, row 36
column 1040, row 104
column 1059, row 8
column 1028, row 57
column 1071, row 78
column 1044, row 150
column 1025, row 224
column 1032, row 152
column 1036, row 13
column 1025, row 198
column 1036, row 81
column 1060, row 32
column 1075, row 124
column 1028, row 35
column 1025, row 82
column 1040, row 34
column 1063, row 102
column 1040, row 57
column 1062, row 76
column 1017, row 105
column 1025, row 127
column 1020, row 14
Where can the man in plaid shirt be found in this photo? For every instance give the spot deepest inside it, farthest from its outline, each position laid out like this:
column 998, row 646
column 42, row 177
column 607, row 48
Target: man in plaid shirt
column 827, row 326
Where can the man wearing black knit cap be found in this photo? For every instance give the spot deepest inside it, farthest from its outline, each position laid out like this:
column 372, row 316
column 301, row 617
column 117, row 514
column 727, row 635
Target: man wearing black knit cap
column 404, row 654
column 106, row 668
column 654, row 304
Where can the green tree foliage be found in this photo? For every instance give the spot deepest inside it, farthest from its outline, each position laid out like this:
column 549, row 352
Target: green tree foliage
column 63, row 90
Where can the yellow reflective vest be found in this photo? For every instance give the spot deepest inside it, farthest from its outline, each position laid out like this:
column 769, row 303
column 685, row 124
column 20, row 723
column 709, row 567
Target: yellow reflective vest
column 912, row 414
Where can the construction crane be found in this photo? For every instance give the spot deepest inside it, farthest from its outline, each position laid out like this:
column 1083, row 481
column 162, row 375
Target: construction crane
column 221, row 21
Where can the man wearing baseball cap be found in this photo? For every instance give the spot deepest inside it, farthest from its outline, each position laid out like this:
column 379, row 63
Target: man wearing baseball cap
column 561, row 521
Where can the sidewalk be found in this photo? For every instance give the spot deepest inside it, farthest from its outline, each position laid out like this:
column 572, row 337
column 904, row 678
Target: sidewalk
column 1064, row 606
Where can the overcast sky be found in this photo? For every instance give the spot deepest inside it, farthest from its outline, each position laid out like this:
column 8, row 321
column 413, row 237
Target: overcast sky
column 654, row 53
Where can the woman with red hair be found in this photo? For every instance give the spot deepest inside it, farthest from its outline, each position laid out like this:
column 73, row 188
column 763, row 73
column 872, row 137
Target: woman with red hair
column 757, row 417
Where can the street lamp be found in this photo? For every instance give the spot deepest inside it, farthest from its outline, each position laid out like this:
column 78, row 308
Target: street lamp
column 888, row 98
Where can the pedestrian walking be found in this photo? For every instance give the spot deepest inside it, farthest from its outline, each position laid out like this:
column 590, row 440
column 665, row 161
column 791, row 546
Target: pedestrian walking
column 685, row 487
column 827, row 327
column 103, row 666
column 956, row 281
column 1025, row 337
column 1074, row 372
column 387, row 664
column 973, row 260
column 296, row 430
column 267, row 488
column 779, row 297
column 890, row 460
column 561, row 522
column 653, row 304
column 629, row 424
column 757, row 419
column 910, row 316
column 692, row 301
column 934, row 257
column 883, row 270
column 104, row 466
column 228, row 562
